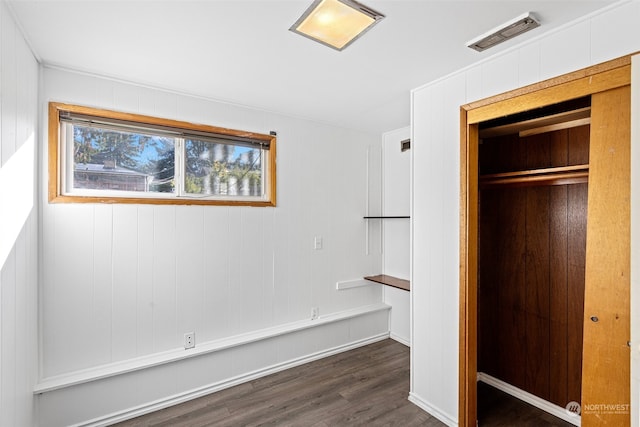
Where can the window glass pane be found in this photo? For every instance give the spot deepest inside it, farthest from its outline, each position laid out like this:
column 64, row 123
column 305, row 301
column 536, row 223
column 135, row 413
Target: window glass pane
column 220, row 169
column 106, row 159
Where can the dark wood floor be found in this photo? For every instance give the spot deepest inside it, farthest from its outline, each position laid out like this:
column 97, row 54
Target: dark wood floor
column 498, row 409
column 367, row 386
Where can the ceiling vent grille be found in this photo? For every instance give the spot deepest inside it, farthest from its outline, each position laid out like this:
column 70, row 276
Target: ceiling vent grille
column 504, row 32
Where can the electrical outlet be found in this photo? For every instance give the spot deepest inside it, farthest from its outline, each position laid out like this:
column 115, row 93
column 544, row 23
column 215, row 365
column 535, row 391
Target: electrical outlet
column 189, row 340
column 317, row 243
column 314, row 313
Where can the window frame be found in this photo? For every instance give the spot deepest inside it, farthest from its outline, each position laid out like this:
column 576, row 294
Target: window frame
column 55, row 142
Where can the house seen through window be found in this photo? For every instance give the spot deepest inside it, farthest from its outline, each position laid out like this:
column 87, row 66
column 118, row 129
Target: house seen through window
column 116, row 157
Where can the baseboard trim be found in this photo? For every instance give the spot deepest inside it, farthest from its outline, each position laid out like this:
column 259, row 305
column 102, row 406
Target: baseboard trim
column 212, row 388
column 400, row 339
column 531, row 399
column 156, row 359
column 432, row 410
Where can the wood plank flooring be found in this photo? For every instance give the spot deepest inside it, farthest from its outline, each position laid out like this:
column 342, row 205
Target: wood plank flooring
column 498, row 409
column 366, row 386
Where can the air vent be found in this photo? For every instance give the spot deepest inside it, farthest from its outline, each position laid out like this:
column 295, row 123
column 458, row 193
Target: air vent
column 504, row 32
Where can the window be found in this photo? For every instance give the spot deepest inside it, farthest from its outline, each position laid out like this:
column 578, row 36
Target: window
column 110, row 157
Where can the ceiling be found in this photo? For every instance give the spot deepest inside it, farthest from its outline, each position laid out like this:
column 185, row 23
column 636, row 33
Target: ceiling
column 241, row 51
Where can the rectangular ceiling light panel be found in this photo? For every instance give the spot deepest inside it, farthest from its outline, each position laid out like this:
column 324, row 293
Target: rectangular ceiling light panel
column 506, row 31
column 336, row 23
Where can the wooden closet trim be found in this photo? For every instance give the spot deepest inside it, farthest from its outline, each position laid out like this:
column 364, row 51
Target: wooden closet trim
column 487, row 104
column 584, row 86
column 598, row 78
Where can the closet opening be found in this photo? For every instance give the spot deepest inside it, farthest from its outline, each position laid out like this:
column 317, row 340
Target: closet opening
column 533, row 172
column 522, row 212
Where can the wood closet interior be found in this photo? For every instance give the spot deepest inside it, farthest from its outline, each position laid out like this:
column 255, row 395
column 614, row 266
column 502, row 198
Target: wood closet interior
column 533, row 177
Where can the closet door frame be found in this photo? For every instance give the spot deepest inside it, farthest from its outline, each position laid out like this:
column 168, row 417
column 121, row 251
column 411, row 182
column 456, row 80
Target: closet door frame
column 589, row 81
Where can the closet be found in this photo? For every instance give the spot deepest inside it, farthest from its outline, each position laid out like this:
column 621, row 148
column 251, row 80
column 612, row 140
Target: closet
column 545, row 243
column 533, row 179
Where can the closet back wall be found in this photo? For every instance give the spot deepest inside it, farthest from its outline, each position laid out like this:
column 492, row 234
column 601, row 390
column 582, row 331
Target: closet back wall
column 532, row 266
column 125, row 281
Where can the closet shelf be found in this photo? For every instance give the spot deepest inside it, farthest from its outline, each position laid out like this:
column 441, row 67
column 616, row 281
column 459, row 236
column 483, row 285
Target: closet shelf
column 390, row 281
column 561, row 175
column 564, row 120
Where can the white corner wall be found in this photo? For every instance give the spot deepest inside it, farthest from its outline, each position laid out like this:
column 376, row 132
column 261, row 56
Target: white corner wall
column 18, row 225
column 605, row 35
column 127, row 281
column 396, row 178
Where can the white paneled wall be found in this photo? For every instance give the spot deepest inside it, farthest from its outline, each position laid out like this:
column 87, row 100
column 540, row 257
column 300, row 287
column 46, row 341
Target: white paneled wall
column 396, row 178
column 18, row 226
column 606, row 35
column 126, row 282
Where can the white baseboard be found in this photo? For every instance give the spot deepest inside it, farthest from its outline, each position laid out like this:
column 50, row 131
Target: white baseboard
column 400, row 339
column 531, row 399
column 432, row 410
column 230, row 382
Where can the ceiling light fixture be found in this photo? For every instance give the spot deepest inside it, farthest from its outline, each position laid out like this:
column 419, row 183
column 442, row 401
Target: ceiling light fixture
column 336, row 23
column 506, row 31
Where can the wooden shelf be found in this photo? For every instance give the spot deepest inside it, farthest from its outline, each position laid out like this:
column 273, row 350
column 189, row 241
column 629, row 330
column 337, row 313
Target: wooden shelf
column 551, row 123
column 549, row 176
column 384, row 279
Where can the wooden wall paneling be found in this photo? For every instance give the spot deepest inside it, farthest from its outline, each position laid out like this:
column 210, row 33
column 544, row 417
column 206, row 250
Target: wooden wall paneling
column 538, row 151
column 511, row 265
column 537, row 275
column 558, row 294
column 578, row 153
column 606, row 359
column 559, row 150
column 488, row 283
column 546, row 355
column 502, row 154
column 576, row 250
